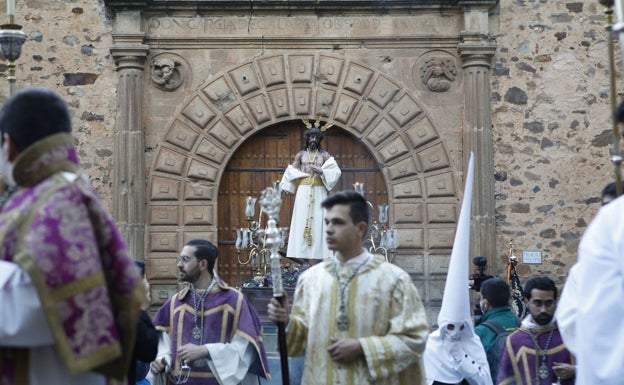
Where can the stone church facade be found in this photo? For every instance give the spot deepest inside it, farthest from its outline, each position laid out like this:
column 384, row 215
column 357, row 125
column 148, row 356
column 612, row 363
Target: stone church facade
column 164, row 93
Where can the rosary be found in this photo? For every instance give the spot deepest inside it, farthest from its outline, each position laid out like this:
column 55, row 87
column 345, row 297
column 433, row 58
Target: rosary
column 342, row 321
column 197, row 331
column 542, row 371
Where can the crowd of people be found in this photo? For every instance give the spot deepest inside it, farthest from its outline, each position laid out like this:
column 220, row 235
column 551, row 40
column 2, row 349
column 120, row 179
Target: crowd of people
column 75, row 304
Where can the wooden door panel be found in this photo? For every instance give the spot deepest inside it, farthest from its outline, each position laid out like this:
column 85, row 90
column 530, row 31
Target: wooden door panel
column 260, row 162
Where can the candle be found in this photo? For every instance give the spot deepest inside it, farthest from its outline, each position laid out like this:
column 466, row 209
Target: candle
column 239, row 239
column 250, row 207
column 11, row 7
column 359, row 188
column 383, row 213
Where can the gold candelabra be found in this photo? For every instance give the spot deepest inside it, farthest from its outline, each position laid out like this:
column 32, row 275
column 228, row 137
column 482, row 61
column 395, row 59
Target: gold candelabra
column 382, row 237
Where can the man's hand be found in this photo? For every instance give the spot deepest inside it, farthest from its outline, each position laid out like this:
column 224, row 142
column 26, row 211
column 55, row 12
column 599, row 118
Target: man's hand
column 158, row 366
column 277, row 312
column 345, row 350
column 563, row 371
column 192, row 352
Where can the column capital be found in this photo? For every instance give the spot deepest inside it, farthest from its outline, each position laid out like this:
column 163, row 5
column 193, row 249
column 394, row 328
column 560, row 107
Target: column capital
column 476, row 49
column 129, row 51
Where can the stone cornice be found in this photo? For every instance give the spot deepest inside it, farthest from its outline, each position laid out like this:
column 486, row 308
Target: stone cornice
column 293, row 6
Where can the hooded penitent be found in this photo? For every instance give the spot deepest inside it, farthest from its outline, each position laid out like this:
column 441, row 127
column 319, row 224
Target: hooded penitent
column 453, row 355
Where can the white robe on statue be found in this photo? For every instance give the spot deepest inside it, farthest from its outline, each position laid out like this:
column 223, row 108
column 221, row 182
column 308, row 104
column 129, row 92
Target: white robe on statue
column 307, row 210
column 600, row 301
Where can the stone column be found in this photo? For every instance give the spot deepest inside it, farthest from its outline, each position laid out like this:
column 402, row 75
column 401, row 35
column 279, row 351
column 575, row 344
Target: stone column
column 130, row 55
column 476, row 51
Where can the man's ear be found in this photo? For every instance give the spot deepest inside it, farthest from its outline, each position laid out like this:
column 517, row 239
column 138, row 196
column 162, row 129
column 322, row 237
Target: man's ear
column 362, row 227
column 11, row 148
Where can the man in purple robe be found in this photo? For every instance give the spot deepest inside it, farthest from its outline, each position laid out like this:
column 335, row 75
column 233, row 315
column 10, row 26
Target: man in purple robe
column 69, row 290
column 210, row 333
column 535, row 353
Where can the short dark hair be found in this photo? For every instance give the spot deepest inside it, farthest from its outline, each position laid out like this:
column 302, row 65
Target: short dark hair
column 539, row 283
column 496, row 291
column 33, row 114
column 358, row 207
column 609, row 193
column 205, row 250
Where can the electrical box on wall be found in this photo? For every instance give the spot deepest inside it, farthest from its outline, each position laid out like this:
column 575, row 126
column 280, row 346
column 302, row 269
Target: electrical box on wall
column 533, row 257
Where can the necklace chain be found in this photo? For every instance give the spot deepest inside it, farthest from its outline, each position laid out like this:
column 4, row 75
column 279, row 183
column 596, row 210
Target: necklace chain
column 197, row 334
column 342, row 321
column 542, row 371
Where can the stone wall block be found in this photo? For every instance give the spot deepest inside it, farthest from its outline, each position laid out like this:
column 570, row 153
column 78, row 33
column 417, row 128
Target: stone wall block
column 245, row 79
column 439, row 185
column 441, row 238
column 393, row 149
column 198, row 190
column 421, row 132
column 198, row 112
column 279, row 101
column 181, row 136
column 325, row 102
column 346, row 105
column 165, row 188
column 301, row 101
column 441, row 213
column 403, row 168
column 161, row 293
column 413, row 264
column 439, row 265
column 221, row 132
column 207, row 149
column 163, row 241
column 330, row 70
column 203, row 171
column 198, row 215
column 219, row 93
column 408, row 189
column 411, row 238
column 408, row 213
column 301, row 68
column 380, row 132
column 170, row 161
column 383, row 91
column 259, row 110
column 163, row 215
column 357, row 78
column 433, row 158
column 239, row 119
column 405, row 110
column 272, row 70
column 364, row 117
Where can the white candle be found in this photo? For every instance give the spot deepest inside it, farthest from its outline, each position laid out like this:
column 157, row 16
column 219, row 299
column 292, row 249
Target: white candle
column 10, row 7
column 250, row 209
column 359, row 188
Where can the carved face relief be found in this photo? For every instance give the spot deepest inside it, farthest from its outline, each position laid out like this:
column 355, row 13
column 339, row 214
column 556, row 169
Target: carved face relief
column 438, row 73
column 165, row 73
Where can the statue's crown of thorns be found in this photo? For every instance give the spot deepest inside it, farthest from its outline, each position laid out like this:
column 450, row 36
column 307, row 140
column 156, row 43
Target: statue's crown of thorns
column 317, row 123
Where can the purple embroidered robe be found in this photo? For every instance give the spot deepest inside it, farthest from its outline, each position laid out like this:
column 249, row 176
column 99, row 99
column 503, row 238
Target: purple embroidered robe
column 226, row 313
column 58, row 231
column 521, row 359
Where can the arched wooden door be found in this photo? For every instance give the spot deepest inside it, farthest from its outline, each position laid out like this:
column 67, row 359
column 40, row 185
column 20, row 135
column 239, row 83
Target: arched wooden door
column 261, row 161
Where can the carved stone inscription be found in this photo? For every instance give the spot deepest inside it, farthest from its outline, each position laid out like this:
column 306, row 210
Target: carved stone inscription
column 302, row 25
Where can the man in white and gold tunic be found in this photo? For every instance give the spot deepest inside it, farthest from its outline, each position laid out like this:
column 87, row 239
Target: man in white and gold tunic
column 357, row 319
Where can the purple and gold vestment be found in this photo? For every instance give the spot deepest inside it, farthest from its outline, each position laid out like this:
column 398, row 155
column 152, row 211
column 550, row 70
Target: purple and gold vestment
column 226, row 314
column 521, row 359
column 56, row 229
